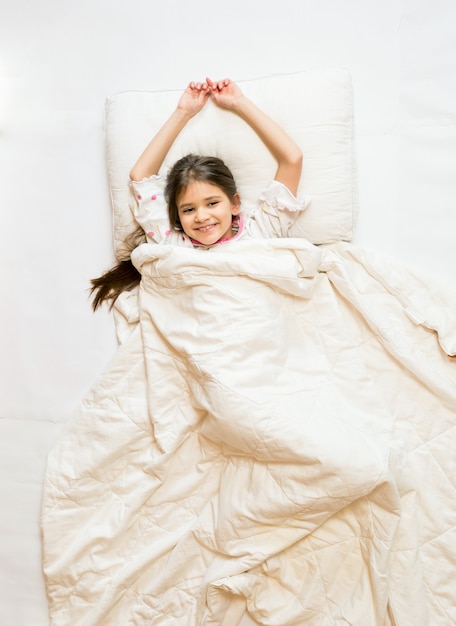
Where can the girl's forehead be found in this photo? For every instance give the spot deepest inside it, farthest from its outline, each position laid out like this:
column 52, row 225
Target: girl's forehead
column 200, row 188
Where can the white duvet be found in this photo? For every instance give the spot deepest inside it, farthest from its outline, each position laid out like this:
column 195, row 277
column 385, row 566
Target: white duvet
column 275, row 436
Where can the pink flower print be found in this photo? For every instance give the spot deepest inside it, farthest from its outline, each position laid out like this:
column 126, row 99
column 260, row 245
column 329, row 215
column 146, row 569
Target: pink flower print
column 151, row 233
column 167, row 232
column 154, row 197
column 139, row 197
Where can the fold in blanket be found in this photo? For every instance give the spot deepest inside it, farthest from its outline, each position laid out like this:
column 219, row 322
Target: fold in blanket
column 272, row 437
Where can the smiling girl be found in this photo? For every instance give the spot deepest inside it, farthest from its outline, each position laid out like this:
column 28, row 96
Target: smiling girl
column 198, row 205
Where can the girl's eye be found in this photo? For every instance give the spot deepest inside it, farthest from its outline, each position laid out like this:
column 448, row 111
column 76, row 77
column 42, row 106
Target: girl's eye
column 213, row 203
column 188, row 210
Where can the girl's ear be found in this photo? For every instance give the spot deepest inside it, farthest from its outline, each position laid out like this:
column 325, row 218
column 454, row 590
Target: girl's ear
column 236, row 204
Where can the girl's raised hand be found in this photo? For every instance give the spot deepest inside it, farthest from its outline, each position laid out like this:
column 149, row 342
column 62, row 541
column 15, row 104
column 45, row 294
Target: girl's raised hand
column 225, row 93
column 194, row 98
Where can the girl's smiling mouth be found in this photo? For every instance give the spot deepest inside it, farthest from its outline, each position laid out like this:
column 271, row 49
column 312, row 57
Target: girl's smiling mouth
column 203, row 229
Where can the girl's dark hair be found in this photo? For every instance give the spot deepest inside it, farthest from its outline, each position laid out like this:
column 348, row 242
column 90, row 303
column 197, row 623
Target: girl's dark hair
column 193, row 167
column 124, row 276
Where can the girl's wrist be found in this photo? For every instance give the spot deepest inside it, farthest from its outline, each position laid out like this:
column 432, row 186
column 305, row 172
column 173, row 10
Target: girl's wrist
column 182, row 116
column 184, row 113
column 240, row 105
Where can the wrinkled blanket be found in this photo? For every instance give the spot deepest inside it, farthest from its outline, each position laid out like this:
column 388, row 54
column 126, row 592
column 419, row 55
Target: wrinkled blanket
column 275, row 437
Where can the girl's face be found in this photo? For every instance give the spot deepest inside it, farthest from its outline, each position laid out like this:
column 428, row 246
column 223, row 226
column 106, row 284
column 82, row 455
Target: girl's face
column 205, row 212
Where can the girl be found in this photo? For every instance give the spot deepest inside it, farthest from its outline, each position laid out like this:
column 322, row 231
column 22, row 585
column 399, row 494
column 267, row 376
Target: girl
column 199, row 206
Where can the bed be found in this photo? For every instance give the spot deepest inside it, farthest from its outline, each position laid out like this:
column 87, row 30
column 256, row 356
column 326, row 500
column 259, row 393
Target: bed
column 272, row 441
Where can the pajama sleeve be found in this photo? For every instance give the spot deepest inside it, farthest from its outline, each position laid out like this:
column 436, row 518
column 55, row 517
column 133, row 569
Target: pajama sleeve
column 149, row 207
column 278, row 210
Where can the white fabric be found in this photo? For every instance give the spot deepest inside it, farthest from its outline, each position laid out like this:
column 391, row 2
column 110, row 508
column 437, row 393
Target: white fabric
column 275, row 434
column 276, row 211
column 315, row 107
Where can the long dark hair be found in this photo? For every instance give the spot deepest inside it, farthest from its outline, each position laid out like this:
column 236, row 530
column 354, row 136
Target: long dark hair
column 124, row 276
column 121, row 277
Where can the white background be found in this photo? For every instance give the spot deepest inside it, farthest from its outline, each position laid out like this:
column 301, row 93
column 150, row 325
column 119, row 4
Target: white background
column 59, row 60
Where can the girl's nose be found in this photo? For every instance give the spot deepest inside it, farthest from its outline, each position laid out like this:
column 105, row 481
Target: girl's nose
column 200, row 215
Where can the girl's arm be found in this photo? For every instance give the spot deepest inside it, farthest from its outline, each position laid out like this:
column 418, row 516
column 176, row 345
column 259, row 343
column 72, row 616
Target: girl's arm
column 288, row 155
column 191, row 102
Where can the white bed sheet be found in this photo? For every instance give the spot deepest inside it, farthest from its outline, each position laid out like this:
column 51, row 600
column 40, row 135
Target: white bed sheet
column 58, row 62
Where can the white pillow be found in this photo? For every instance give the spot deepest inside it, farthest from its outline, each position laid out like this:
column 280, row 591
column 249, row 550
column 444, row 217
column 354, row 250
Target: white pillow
column 314, row 107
